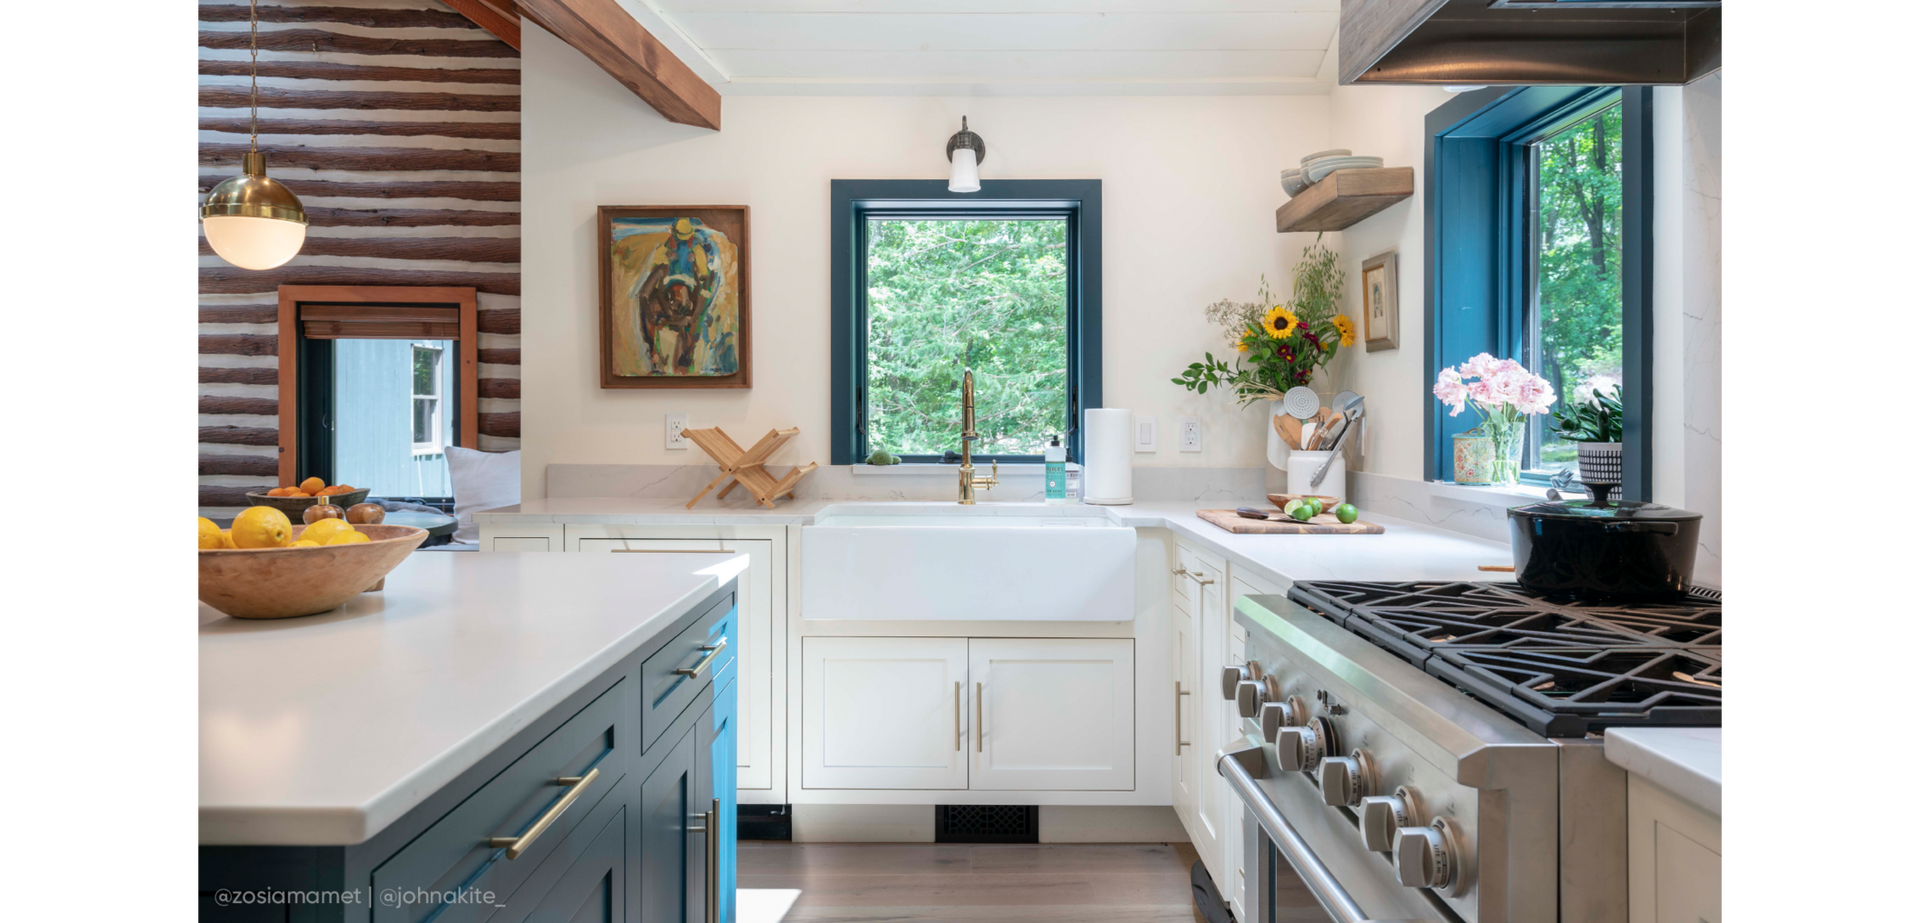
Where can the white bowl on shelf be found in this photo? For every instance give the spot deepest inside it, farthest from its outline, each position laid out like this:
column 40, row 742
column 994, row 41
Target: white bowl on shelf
column 1329, row 152
column 1319, row 169
column 1293, row 182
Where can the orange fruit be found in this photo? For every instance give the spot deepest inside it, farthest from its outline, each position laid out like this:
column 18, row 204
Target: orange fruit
column 347, row 538
column 295, row 492
column 323, row 531
column 226, row 539
column 312, row 485
column 209, row 535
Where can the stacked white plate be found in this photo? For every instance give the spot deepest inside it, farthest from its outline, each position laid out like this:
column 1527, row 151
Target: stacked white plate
column 1315, row 167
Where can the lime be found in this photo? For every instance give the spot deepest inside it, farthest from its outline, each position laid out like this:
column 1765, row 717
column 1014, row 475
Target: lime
column 1292, row 505
column 1319, row 506
column 1303, row 512
column 1346, row 513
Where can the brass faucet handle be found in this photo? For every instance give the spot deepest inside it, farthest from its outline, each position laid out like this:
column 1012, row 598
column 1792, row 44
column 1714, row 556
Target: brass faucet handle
column 990, row 481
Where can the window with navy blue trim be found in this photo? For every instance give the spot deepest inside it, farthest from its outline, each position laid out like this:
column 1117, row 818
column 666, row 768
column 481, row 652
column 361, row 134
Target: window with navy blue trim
column 1539, row 247
column 928, row 283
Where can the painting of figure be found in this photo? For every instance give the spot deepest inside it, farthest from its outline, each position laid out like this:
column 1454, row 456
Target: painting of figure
column 674, row 299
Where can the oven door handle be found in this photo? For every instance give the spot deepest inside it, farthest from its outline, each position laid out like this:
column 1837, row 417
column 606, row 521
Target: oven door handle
column 1338, row 903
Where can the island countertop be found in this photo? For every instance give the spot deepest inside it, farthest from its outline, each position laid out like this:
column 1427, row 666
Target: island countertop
column 323, row 730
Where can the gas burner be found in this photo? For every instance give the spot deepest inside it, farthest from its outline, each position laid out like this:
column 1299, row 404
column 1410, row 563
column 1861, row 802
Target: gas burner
column 1561, row 667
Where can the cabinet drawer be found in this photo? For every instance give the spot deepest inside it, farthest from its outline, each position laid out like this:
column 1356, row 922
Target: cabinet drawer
column 536, row 543
column 584, row 880
column 453, row 855
column 700, row 655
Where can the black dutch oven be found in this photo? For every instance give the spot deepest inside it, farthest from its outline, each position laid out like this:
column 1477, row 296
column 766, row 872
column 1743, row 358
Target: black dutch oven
column 1627, row 550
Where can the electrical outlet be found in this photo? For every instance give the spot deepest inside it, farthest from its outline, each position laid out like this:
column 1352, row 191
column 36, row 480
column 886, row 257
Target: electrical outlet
column 1189, row 434
column 1146, row 434
column 676, row 431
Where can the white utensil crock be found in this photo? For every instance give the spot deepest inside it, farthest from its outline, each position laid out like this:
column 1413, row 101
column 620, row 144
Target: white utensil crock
column 1301, row 466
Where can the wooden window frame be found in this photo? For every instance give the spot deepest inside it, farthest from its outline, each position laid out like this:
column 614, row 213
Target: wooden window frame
column 377, row 312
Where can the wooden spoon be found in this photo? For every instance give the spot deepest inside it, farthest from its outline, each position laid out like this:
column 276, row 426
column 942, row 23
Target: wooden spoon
column 1289, row 429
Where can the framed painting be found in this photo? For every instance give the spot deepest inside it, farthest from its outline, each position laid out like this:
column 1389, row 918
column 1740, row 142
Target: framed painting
column 675, row 297
column 1380, row 301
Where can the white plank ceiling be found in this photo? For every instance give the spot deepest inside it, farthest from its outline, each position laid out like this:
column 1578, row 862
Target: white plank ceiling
column 1000, row 47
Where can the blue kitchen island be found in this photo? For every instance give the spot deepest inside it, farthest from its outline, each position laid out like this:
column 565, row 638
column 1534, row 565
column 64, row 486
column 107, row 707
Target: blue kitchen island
column 504, row 737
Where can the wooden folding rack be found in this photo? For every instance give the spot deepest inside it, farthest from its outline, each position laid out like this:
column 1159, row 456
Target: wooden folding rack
column 747, row 466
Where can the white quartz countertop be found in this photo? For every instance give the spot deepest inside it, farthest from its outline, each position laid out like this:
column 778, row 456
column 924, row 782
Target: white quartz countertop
column 322, row 730
column 1684, row 761
column 1406, row 551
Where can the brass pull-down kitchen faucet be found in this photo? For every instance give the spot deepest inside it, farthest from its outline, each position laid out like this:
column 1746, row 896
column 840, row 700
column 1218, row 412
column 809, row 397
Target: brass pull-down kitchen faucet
column 967, row 479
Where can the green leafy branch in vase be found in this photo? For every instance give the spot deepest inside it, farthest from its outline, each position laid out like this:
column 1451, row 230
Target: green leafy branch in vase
column 1278, row 344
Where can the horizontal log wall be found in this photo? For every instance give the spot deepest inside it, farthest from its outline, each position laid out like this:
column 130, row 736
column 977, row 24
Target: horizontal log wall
column 397, row 122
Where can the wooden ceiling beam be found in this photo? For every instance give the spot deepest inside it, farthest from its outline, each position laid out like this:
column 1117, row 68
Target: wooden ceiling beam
column 499, row 17
column 609, row 37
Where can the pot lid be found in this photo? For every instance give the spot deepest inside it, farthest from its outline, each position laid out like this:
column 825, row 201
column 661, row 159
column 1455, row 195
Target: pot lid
column 1582, row 510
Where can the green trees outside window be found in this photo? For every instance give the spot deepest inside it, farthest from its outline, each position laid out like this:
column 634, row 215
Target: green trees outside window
column 947, row 295
column 1577, row 310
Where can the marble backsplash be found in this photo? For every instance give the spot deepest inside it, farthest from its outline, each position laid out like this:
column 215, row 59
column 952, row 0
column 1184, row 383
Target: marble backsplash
column 905, row 482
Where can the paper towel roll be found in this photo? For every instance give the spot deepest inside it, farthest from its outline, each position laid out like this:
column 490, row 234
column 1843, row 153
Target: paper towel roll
column 1109, row 461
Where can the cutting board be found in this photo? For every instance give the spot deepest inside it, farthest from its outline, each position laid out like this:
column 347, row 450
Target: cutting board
column 1323, row 524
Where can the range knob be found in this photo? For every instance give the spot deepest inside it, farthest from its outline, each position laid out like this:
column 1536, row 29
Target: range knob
column 1382, row 815
column 1344, row 780
column 1276, row 714
column 1301, row 747
column 1232, row 677
column 1428, row 857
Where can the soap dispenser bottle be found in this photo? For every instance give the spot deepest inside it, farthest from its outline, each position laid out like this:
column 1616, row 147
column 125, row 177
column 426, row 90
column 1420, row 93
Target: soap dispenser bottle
column 1057, row 474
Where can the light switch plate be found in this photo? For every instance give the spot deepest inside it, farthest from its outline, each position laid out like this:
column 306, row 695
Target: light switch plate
column 676, row 431
column 1189, row 434
column 1146, row 434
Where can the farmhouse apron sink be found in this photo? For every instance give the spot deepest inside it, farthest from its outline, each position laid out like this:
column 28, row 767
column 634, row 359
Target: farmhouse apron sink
column 925, row 562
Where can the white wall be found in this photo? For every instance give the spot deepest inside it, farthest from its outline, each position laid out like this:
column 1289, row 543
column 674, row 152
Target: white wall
column 1189, row 189
column 1387, row 122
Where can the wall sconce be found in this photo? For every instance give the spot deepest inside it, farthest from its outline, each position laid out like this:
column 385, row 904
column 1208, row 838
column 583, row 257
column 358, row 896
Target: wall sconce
column 967, row 151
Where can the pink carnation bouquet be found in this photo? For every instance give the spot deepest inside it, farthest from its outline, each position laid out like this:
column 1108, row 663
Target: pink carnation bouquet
column 1504, row 394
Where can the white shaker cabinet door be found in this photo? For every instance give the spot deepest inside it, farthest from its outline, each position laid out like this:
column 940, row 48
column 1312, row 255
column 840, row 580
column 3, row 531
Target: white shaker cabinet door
column 1186, row 762
column 1054, row 714
column 1211, row 715
column 882, row 713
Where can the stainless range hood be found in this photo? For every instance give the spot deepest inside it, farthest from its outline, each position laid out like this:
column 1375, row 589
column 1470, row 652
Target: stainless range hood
column 1528, row 42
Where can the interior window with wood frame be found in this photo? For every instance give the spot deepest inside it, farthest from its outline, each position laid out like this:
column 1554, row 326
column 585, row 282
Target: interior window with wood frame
column 376, row 382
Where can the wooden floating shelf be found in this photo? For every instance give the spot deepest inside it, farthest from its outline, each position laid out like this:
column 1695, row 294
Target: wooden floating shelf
column 1344, row 197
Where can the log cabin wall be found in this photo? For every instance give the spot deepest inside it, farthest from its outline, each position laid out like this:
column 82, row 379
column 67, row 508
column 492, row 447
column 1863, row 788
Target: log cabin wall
column 397, row 122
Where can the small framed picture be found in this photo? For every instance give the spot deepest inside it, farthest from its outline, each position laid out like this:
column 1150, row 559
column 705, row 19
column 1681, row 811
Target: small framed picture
column 1380, row 301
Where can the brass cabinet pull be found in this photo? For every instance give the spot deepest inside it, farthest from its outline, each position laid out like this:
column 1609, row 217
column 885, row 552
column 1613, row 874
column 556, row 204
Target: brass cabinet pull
column 517, row 845
column 979, row 733
column 1177, row 731
column 1180, row 571
column 956, row 716
column 1201, row 578
column 710, row 826
column 713, row 651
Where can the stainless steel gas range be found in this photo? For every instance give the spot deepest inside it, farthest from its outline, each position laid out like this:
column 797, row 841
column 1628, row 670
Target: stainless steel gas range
column 1433, row 751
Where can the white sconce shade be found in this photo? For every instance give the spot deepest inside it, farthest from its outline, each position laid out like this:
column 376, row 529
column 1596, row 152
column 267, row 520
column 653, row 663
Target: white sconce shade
column 966, row 173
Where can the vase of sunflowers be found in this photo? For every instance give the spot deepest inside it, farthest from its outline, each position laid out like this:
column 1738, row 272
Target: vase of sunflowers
column 1278, row 344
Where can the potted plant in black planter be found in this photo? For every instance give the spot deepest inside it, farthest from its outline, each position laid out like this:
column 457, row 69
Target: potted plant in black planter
column 1595, row 424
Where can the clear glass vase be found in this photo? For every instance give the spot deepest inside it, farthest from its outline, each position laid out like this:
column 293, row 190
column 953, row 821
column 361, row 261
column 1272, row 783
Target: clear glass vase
column 1507, row 441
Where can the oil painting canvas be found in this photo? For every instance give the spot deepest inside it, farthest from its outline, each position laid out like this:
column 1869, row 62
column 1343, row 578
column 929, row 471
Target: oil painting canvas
column 674, row 299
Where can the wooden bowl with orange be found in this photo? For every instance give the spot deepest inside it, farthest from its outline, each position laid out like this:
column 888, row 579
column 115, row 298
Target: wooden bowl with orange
column 279, row 583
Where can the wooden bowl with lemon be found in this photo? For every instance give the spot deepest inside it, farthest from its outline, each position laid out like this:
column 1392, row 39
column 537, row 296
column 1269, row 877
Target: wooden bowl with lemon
column 266, row 567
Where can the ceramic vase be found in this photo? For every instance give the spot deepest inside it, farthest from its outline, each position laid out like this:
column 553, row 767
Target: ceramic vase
column 1488, row 455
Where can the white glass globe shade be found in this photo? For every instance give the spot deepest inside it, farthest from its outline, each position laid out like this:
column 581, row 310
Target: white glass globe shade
column 255, row 243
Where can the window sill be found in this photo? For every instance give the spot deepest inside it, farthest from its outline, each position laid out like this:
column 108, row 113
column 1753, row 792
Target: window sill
column 1022, row 469
column 1517, row 495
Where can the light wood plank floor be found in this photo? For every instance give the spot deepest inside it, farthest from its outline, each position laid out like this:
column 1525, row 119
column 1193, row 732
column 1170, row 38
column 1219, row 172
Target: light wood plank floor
column 961, row 883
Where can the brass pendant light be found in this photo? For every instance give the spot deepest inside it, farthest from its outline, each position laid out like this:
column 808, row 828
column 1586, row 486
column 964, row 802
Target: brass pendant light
column 250, row 220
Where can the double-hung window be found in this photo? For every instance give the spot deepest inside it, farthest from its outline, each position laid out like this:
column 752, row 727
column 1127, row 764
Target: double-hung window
column 928, row 285
column 1539, row 247
column 429, row 384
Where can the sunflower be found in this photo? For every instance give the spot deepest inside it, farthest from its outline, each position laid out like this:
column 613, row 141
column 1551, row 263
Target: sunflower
column 1246, row 340
column 1345, row 326
column 1272, row 323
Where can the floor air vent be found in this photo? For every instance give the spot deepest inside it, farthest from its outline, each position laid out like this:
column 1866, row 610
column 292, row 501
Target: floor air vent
column 986, row 823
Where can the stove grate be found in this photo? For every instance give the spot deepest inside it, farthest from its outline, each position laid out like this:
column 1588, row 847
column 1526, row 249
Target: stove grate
column 1561, row 667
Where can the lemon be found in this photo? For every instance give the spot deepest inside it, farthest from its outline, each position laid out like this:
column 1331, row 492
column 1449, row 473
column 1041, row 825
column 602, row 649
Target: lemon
column 323, row 531
column 347, row 538
column 262, row 527
column 226, row 539
column 303, row 543
column 209, row 534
